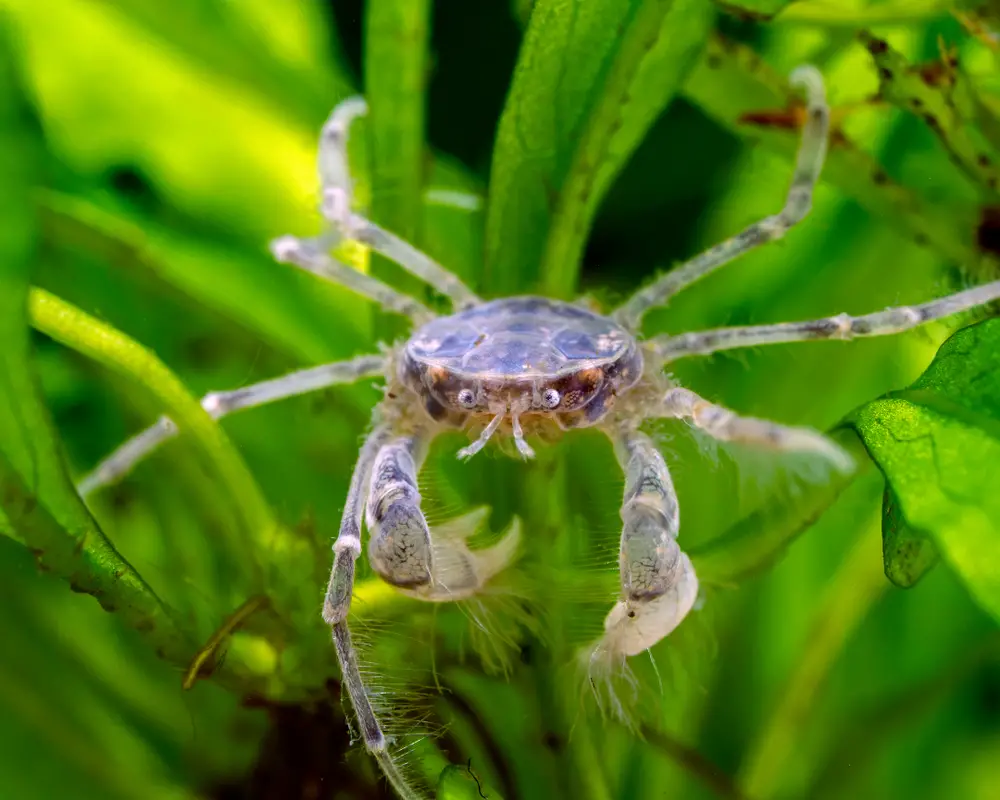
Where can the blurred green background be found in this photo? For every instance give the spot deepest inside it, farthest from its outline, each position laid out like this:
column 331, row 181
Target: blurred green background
column 150, row 152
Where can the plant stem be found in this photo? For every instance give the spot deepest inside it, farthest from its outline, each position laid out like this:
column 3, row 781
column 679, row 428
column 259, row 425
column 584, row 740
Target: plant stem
column 857, row 585
column 79, row 331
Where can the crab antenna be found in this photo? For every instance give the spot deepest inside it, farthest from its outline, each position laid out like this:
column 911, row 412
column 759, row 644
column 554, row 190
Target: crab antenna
column 522, row 446
column 484, row 437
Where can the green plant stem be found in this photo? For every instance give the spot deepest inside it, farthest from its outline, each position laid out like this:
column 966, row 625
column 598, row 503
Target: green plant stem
column 79, row 331
column 857, row 585
column 830, row 13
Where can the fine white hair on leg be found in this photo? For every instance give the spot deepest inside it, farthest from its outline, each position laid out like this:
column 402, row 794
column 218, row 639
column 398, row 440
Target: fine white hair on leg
column 219, row 404
column 808, row 164
column 337, row 604
column 727, row 426
column 658, row 583
column 311, row 256
column 842, row 326
column 337, row 203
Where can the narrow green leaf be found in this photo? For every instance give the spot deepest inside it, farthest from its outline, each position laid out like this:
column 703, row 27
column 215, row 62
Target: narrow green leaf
column 396, row 44
column 396, row 67
column 83, row 333
column 39, row 501
column 907, row 553
column 830, row 13
column 761, row 10
column 938, row 444
column 591, row 78
column 732, row 85
column 927, row 93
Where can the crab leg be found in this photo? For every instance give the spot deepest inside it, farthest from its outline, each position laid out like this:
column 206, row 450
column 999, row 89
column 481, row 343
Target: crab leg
column 842, row 326
column 658, row 583
column 402, row 550
column 812, row 152
column 337, row 604
column 219, row 404
column 337, row 199
column 727, row 426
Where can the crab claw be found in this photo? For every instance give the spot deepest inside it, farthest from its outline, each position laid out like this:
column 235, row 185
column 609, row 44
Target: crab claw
column 635, row 625
column 459, row 572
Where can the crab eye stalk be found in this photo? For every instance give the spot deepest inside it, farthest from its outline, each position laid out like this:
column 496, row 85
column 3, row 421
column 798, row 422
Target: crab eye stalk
column 551, row 398
column 466, row 399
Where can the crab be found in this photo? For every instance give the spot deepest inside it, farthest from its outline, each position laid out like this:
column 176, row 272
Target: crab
column 521, row 366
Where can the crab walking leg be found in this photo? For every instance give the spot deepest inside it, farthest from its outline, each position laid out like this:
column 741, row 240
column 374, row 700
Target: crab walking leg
column 337, row 604
column 808, row 164
column 337, row 200
column 727, row 426
column 658, row 583
column 310, row 255
column 842, row 326
column 402, row 550
column 219, row 404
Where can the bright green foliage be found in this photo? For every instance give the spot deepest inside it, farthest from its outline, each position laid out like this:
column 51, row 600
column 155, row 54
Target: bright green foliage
column 178, row 142
column 929, row 92
column 754, row 9
column 591, row 78
column 462, row 783
column 938, row 444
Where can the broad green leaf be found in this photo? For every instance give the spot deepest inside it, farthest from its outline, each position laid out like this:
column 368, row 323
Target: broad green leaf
column 938, row 444
column 462, row 783
column 928, row 92
column 591, row 78
column 38, row 499
column 907, row 554
column 734, row 86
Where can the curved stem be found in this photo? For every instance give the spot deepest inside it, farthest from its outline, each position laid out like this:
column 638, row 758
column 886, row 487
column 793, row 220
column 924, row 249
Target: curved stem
column 79, row 331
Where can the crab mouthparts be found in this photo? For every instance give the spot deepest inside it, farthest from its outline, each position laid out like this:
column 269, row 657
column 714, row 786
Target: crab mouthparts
column 515, row 420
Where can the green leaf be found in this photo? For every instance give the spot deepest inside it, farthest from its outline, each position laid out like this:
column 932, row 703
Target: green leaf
column 735, row 87
column 928, row 93
column 906, row 552
column 758, row 540
column 462, row 783
column 938, row 444
column 396, row 42
column 761, row 10
column 591, row 78
column 38, row 499
column 81, row 332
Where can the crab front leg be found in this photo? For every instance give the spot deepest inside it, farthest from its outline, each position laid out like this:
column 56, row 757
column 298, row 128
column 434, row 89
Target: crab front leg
column 658, row 583
column 401, row 549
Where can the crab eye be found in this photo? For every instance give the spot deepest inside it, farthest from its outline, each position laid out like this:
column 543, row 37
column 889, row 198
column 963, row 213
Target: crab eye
column 466, row 399
column 551, row 398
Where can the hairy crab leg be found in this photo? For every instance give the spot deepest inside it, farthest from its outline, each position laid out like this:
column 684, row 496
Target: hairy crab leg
column 219, row 404
column 727, row 426
column 311, row 256
column 402, row 549
column 337, row 200
column 337, row 604
column 808, row 164
column 842, row 326
column 658, row 583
